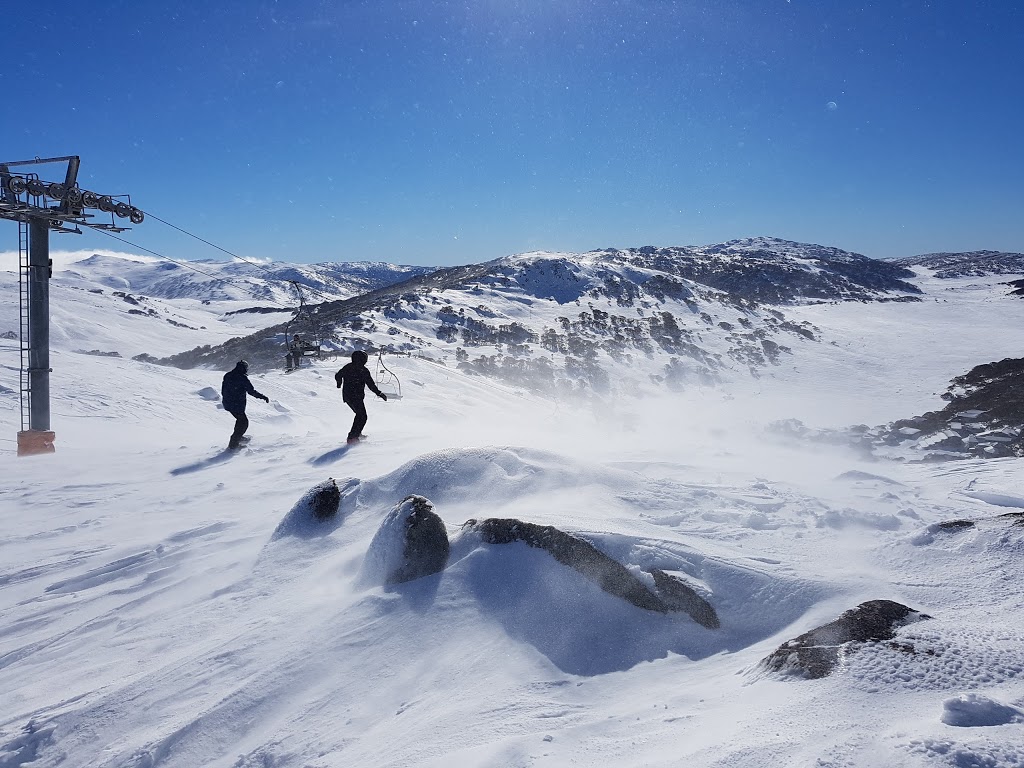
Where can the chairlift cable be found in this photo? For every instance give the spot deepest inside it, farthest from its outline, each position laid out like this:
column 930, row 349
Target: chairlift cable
column 236, row 256
column 186, row 265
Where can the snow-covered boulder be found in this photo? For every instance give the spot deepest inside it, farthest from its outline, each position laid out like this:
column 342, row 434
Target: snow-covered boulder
column 209, row 393
column 669, row 595
column 412, row 542
column 318, row 507
column 816, row 653
column 971, row 710
column 609, row 574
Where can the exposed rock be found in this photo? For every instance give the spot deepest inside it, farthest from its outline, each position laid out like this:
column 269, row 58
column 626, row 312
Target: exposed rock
column 324, row 499
column 680, row 596
column 411, row 543
column 426, row 541
column 816, row 654
column 610, row 575
column 580, row 555
column 955, row 525
column 317, row 512
column 984, row 418
column 97, row 353
column 1015, row 518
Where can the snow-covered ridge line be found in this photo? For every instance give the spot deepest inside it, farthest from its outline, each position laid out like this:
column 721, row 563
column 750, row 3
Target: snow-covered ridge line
column 220, row 280
column 968, row 263
column 600, row 321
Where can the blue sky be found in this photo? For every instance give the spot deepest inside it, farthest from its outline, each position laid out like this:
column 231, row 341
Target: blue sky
column 449, row 133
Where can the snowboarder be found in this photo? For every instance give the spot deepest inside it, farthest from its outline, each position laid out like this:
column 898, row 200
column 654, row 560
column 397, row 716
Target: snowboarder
column 352, row 379
column 232, row 394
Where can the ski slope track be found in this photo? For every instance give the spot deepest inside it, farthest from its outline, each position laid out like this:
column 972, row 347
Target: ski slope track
column 166, row 603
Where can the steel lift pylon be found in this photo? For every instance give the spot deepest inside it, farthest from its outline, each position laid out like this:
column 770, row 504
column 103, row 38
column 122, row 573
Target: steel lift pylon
column 38, row 207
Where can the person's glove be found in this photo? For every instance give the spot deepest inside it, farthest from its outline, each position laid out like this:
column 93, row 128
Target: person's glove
column 383, row 397
column 339, row 385
column 266, row 399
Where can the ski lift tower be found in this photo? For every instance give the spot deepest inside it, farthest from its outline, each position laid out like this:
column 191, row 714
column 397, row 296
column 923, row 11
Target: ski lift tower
column 40, row 206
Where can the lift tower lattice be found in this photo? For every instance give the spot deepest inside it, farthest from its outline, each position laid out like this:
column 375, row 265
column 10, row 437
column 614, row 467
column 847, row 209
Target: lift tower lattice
column 39, row 206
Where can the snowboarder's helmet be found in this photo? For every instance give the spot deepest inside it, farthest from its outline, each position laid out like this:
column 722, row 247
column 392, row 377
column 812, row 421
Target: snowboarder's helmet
column 244, row 366
column 359, row 357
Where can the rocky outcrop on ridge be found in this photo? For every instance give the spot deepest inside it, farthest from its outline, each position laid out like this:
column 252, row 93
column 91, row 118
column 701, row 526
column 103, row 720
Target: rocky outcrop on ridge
column 984, row 418
column 967, row 263
column 816, row 654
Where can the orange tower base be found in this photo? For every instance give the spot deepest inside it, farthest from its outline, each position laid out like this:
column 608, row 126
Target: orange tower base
column 35, row 441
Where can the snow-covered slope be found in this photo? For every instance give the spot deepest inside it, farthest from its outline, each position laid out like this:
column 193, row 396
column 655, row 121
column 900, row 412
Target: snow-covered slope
column 111, row 302
column 220, row 280
column 605, row 321
column 160, row 607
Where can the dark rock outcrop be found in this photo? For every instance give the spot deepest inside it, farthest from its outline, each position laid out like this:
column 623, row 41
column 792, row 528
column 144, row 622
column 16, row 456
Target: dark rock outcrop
column 411, row 543
column 324, row 500
column 610, row 575
column 955, row 525
column 582, row 556
column 984, row 417
column 816, row 654
column 1015, row 518
column 318, row 512
column 680, row 596
column 426, row 541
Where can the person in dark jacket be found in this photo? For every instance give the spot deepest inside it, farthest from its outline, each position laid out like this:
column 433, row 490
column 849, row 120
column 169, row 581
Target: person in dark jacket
column 232, row 394
column 295, row 352
column 352, row 379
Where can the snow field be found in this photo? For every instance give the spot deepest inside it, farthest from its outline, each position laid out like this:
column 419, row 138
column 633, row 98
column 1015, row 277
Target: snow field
column 162, row 604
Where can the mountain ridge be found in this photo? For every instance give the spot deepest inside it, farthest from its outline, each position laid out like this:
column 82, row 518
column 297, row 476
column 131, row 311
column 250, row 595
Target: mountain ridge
column 705, row 309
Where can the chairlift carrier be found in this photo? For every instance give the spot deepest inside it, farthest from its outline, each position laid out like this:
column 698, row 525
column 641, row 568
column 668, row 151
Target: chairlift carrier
column 304, row 323
column 386, row 380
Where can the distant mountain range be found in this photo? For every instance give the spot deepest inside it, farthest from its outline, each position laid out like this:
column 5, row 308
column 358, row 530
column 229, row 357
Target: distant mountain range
column 968, row 264
column 236, row 280
column 585, row 321
column 596, row 322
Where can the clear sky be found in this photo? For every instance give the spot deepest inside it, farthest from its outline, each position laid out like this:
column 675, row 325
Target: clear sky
column 453, row 132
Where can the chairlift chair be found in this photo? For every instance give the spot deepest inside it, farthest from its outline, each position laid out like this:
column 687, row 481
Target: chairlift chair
column 304, row 324
column 386, row 380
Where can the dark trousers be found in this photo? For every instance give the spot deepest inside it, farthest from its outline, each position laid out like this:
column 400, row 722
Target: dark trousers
column 359, row 409
column 241, row 424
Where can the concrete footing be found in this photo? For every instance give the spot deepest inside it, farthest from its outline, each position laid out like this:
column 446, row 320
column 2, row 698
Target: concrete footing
column 35, row 441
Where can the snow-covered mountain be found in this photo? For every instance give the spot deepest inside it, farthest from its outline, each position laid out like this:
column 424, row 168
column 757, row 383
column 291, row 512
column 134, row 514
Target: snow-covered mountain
column 503, row 576
column 129, row 305
column 235, row 280
column 967, row 263
column 599, row 321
